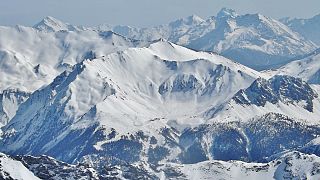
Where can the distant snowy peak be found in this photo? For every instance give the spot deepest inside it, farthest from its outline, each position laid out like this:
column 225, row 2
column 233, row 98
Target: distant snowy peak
column 189, row 21
column 254, row 40
column 307, row 67
column 227, row 13
column 51, row 24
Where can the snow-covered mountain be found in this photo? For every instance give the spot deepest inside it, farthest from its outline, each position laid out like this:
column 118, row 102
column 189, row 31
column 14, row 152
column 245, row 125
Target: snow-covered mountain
column 254, row 40
column 115, row 94
column 163, row 104
column 308, row 28
column 30, row 59
column 306, row 67
column 118, row 108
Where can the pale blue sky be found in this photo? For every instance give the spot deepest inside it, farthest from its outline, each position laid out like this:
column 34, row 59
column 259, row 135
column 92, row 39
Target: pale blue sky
column 143, row 13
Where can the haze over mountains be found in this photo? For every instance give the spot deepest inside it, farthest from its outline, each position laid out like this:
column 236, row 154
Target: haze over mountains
column 184, row 100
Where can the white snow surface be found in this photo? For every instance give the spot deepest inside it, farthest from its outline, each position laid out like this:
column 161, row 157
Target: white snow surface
column 15, row 169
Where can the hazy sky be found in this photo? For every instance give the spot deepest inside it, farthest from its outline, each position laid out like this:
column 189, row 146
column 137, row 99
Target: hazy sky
column 143, row 13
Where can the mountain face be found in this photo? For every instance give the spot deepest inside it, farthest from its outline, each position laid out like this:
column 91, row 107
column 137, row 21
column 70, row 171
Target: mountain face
column 278, row 89
column 306, row 67
column 285, row 95
column 254, row 40
column 308, row 28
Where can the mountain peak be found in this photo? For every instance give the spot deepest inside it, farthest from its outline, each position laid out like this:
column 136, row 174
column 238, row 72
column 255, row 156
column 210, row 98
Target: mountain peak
column 52, row 20
column 190, row 20
column 51, row 24
column 194, row 19
column 226, row 12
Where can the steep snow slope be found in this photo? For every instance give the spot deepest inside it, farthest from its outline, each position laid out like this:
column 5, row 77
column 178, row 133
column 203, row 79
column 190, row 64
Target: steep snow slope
column 254, row 40
column 13, row 169
column 30, row 58
column 306, row 67
column 10, row 100
column 309, row 28
column 124, row 92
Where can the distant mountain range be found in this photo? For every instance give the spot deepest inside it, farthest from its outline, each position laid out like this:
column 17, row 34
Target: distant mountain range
column 254, row 40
